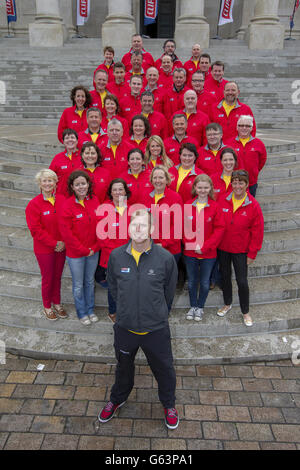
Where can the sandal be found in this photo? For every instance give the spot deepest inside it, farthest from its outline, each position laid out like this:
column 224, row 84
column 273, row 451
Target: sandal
column 50, row 315
column 112, row 317
column 248, row 321
column 222, row 311
column 85, row 321
column 60, row 312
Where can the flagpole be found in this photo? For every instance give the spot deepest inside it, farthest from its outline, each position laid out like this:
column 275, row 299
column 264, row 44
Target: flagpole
column 290, row 37
column 217, row 36
column 8, row 35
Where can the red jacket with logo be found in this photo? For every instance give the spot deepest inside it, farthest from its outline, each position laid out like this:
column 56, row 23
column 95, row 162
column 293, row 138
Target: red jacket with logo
column 120, row 90
column 63, row 167
column 96, row 100
column 122, row 120
column 42, row 220
column 244, row 229
column 215, row 87
column 207, row 227
column 130, row 106
column 197, row 123
column 112, row 230
column 137, row 186
column 186, row 186
column 173, row 101
column 71, row 120
column 190, row 68
column 115, row 164
column 85, row 136
column 253, row 156
column 158, row 124
column 100, row 178
column 78, row 226
column 208, row 162
column 229, row 123
column 172, row 146
column 147, row 60
column 220, row 185
column 166, row 221
column 205, row 102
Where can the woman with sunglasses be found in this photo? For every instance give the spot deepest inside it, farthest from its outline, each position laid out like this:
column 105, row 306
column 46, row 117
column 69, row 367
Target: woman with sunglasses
column 242, row 240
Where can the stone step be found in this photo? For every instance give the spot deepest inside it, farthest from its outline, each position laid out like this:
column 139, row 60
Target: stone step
column 275, row 317
column 280, row 171
column 18, row 199
column 262, row 290
column 91, row 347
column 285, row 220
column 282, row 241
column 268, row 264
column 279, row 202
column 278, row 186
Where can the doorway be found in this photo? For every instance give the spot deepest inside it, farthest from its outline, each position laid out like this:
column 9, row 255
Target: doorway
column 164, row 26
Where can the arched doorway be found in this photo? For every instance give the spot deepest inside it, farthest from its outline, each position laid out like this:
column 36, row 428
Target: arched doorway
column 164, row 26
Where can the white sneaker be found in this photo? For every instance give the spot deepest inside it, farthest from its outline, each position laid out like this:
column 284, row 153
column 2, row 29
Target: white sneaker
column 199, row 314
column 191, row 313
column 222, row 311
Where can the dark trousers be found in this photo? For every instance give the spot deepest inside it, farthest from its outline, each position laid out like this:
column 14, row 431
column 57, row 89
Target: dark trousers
column 239, row 261
column 157, row 349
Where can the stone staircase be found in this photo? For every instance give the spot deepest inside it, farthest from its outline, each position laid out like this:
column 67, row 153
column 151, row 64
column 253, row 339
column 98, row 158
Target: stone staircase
column 38, row 84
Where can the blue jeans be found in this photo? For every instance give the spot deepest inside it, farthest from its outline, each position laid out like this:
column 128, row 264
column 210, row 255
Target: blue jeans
column 198, row 271
column 83, row 283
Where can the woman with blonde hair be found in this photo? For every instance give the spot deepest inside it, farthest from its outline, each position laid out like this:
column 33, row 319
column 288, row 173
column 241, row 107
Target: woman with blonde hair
column 203, row 229
column 155, row 153
column 42, row 219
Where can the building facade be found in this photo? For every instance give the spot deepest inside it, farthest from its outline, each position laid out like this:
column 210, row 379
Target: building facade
column 259, row 22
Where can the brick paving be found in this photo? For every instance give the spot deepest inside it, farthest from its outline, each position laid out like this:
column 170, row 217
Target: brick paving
column 247, row 406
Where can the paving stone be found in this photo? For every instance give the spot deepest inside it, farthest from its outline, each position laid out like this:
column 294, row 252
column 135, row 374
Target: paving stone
column 291, row 415
column 168, row 444
column 254, row 432
column 233, row 413
column 286, row 432
column 59, row 392
column 214, row 398
column 21, row 377
column 10, row 405
column 60, row 442
column 70, row 407
column 15, row 423
column 132, row 443
column 48, row 424
column 233, row 445
column 24, row 441
column 257, row 385
column 96, row 443
column 201, row 412
column 37, row 406
column 266, row 415
column 6, row 390
column 277, row 399
column 222, row 431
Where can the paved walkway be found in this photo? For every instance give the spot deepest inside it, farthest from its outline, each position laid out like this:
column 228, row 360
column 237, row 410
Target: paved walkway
column 249, row 406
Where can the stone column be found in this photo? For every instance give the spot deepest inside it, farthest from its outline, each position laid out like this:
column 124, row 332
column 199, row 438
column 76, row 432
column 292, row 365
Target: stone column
column 265, row 30
column 191, row 26
column 248, row 13
column 119, row 25
column 48, row 29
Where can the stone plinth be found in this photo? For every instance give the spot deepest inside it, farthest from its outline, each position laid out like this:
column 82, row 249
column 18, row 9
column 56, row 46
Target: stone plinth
column 191, row 26
column 265, row 30
column 119, row 25
column 48, row 29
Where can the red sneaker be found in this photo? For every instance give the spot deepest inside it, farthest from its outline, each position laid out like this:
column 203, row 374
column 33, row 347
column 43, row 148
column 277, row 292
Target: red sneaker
column 171, row 418
column 108, row 411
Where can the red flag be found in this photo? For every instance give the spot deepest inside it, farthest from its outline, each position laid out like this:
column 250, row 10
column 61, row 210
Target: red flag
column 226, row 12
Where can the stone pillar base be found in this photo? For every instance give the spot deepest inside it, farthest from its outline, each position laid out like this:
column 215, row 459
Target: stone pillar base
column 46, row 35
column 117, row 31
column 187, row 33
column 266, row 36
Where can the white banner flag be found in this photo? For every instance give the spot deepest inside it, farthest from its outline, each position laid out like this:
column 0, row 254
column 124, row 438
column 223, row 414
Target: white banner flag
column 83, row 11
column 226, row 12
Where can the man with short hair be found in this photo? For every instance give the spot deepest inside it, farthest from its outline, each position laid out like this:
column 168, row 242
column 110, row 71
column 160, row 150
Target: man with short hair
column 205, row 100
column 136, row 67
column 142, row 279
column 119, row 87
column 173, row 99
column 100, row 91
column 137, row 45
column 158, row 122
column 214, row 82
column 152, row 77
column 179, row 137
column 209, row 155
column 229, row 109
column 205, row 64
column 169, row 48
column 94, row 132
column 197, row 120
column 166, row 73
column 131, row 104
column 193, row 63
column 114, row 149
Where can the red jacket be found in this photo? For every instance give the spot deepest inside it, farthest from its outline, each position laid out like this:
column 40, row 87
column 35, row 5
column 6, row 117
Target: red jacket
column 130, row 106
column 78, row 226
column 42, row 220
column 158, row 94
column 229, row 123
column 208, row 230
column 158, row 124
column 100, row 178
column 147, row 60
column 109, row 70
column 177, row 64
column 205, row 102
column 214, row 87
column 186, row 186
column 137, row 186
column 129, row 74
column 120, row 90
column 142, row 145
column 172, row 146
column 190, row 68
column 96, row 100
column 208, row 162
column 253, row 156
column 166, row 221
column 63, row 167
column 165, row 81
column 112, row 230
column 197, row 123
column 71, row 120
column 85, row 136
column 173, row 101
column 220, row 185
column 115, row 164
column 244, row 229
column 159, row 161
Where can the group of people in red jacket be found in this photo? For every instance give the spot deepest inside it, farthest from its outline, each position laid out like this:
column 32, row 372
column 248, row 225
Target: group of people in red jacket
column 172, row 137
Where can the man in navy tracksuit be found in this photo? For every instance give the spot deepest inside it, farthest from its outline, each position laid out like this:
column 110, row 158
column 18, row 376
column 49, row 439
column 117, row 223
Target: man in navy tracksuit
column 142, row 279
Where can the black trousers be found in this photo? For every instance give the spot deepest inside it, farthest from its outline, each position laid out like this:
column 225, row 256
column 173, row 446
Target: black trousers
column 157, row 349
column 239, row 261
